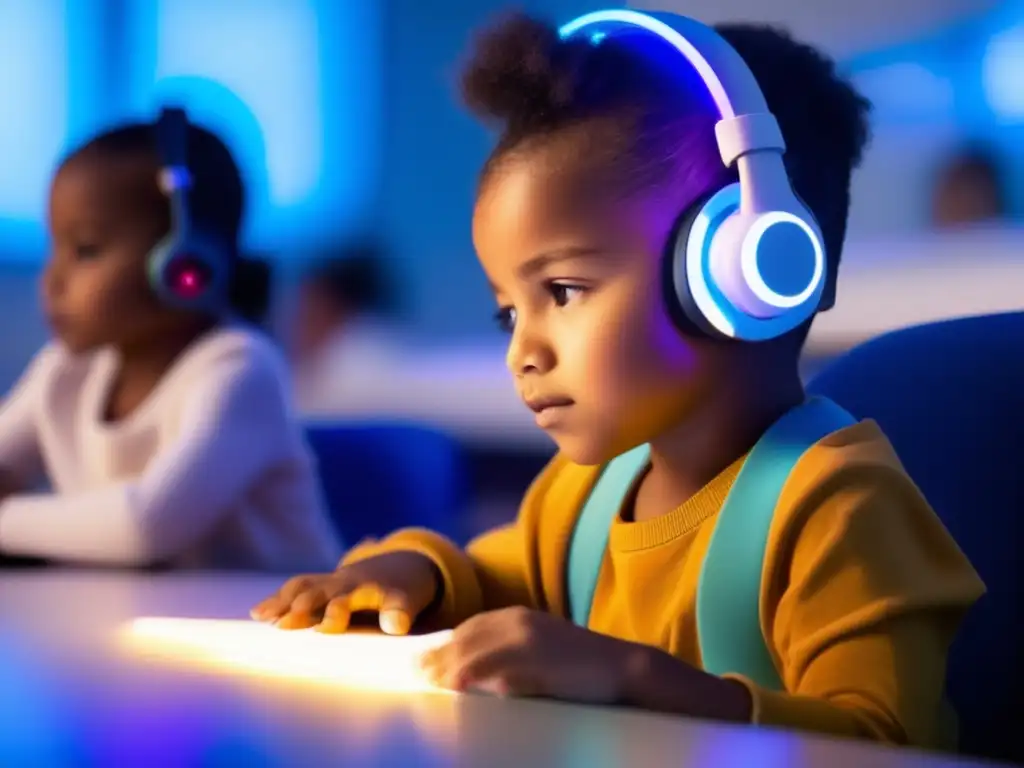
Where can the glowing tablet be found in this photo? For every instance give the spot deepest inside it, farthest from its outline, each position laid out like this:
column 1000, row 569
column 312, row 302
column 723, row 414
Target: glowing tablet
column 357, row 660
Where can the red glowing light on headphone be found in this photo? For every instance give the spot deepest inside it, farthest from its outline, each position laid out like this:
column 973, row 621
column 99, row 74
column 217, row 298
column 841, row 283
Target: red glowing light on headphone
column 189, row 279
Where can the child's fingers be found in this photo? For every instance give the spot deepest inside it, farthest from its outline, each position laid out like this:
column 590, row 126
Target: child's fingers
column 306, row 610
column 398, row 612
column 508, row 684
column 311, row 601
column 270, row 609
column 295, row 586
column 293, row 620
column 337, row 616
column 275, row 606
column 365, row 597
column 395, row 621
column 485, row 669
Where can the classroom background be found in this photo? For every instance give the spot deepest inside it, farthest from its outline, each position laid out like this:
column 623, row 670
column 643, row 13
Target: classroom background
column 362, row 168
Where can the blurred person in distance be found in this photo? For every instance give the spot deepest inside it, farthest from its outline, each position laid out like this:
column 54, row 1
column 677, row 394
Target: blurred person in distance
column 342, row 331
column 969, row 190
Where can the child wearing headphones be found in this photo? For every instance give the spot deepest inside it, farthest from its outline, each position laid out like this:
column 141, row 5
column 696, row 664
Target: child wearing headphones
column 159, row 416
column 708, row 540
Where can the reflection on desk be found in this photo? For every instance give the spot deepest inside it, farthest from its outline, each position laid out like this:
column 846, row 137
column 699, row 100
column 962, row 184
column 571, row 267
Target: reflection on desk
column 73, row 694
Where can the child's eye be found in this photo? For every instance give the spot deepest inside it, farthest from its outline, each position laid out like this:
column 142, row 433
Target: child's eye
column 86, row 251
column 505, row 317
column 560, row 292
column 563, row 293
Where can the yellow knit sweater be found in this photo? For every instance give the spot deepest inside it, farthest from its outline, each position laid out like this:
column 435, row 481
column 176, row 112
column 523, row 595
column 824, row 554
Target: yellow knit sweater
column 861, row 594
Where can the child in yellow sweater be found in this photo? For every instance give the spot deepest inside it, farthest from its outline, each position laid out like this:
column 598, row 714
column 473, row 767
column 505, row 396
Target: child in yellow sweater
column 658, row 277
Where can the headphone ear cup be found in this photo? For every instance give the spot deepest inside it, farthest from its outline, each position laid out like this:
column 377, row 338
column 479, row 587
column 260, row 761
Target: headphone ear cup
column 157, row 264
column 191, row 273
column 714, row 275
column 675, row 285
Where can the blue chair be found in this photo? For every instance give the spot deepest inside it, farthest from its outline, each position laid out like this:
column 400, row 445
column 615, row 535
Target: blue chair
column 950, row 397
column 379, row 477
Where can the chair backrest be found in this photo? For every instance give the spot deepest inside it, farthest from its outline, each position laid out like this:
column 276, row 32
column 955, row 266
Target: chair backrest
column 950, row 397
column 380, row 477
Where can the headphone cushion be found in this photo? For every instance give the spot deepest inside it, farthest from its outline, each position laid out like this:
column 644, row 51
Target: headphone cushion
column 681, row 307
column 157, row 263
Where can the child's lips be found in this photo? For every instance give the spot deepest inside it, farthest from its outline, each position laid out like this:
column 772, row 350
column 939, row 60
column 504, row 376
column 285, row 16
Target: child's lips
column 540, row 404
column 56, row 320
column 549, row 410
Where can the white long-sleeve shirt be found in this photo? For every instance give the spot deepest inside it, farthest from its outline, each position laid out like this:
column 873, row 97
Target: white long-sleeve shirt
column 211, row 470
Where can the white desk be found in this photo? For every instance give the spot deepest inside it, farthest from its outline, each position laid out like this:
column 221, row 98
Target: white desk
column 70, row 694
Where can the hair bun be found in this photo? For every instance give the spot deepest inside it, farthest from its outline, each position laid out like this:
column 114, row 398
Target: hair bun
column 522, row 74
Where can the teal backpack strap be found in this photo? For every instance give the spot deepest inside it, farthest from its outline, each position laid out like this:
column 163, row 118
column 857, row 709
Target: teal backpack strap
column 590, row 536
column 728, row 593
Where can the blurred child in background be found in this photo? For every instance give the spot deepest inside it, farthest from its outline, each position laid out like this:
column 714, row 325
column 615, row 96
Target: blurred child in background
column 161, row 419
column 969, row 190
column 341, row 335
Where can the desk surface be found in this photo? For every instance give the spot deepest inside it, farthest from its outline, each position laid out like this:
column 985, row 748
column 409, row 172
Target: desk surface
column 71, row 693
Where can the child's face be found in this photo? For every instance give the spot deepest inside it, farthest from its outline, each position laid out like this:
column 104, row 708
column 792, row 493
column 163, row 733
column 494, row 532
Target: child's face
column 580, row 274
column 103, row 222
column 966, row 196
column 317, row 318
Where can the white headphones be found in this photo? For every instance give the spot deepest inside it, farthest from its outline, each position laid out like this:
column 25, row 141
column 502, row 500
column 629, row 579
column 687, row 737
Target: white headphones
column 747, row 262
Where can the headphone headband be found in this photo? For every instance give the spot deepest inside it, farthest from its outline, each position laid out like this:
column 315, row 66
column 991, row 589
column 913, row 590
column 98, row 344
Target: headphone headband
column 747, row 261
column 171, row 129
column 172, row 138
column 745, row 124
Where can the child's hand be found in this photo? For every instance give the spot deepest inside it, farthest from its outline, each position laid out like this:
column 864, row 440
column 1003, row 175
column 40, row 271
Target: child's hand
column 519, row 652
column 397, row 585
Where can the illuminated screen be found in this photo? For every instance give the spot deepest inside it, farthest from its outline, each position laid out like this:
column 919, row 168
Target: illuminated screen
column 292, row 85
column 366, row 661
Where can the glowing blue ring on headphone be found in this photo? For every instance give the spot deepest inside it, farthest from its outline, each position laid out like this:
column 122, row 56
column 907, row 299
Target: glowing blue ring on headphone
column 751, row 270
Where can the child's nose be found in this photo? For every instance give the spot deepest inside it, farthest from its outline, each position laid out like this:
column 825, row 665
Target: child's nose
column 529, row 352
column 52, row 284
